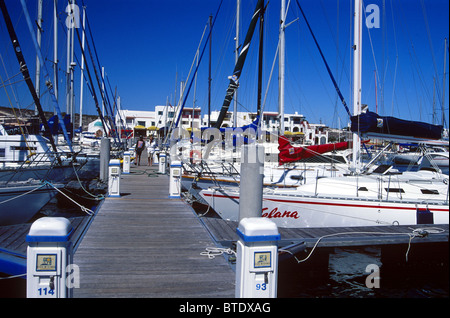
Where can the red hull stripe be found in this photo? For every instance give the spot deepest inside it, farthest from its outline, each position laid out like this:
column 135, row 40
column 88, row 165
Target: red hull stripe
column 332, row 204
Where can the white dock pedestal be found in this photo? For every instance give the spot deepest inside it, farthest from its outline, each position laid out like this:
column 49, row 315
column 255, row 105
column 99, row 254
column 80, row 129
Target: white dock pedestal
column 49, row 256
column 175, row 180
column 114, row 178
column 257, row 258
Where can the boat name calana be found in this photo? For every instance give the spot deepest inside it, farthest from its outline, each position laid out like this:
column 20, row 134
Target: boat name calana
column 277, row 214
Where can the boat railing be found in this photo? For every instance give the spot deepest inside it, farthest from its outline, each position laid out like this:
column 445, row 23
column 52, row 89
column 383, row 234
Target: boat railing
column 47, row 160
column 202, row 167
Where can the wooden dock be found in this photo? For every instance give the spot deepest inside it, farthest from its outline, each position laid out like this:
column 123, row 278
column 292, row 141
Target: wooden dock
column 144, row 244
column 13, row 245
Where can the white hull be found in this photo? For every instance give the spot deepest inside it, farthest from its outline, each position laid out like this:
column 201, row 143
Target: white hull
column 335, row 206
column 15, row 207
column 15, row 149
column 52, row 173
column 274, row 176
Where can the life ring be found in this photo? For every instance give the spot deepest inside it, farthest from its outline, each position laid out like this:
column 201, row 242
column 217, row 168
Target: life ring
column 195, row 156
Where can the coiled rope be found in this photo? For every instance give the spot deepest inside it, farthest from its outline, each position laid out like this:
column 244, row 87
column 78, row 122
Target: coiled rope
column 212, row 252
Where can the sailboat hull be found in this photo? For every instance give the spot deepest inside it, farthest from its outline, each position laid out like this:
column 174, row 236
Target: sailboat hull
column 20, row 202
column 336, row 202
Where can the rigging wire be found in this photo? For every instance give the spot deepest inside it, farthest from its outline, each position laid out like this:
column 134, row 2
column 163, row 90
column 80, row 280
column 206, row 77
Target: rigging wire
column 396, row 59
column 429, row 36
column 48, row 82
column 324, row 60
column 103, row 93
column 17, row 119
column 198, row 64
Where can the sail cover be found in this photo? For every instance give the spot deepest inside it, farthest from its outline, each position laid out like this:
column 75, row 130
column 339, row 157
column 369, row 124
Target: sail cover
column 370, row 123
column 289, row 153
column 254, row 125
column 236, row 138
column 234, row 78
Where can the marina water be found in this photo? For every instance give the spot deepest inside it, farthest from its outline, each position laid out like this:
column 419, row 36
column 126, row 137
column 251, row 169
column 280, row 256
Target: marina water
column 347, row 278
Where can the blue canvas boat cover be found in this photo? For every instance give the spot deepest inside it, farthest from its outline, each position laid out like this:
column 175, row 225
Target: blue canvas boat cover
column 370, row 122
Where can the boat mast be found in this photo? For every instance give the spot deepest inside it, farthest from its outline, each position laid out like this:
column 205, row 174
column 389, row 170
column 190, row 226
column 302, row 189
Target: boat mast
column 443, row 91
column 68, row 62
column 434, row 101
column 26, row 75
column 82, row 69
column 281, row 66
column 260, row 59
column 209, row 72
column 357, row 38
column 236, row 52
column 72, row 66
column 103, row 92
column 38, row 39
column 55, row 48
column 48, row 82
column 195, row 93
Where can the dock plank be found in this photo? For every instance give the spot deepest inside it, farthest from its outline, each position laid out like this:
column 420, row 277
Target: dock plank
column 13, row 237
column 144, row 244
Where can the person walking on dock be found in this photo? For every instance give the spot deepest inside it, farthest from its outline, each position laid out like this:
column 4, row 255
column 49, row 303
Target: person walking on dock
column 151, row 148
column 140, row 145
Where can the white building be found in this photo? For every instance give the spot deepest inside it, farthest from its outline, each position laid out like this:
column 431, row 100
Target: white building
column 295, row 125
column 144, row 122
column 190, row 117
column 133, row 118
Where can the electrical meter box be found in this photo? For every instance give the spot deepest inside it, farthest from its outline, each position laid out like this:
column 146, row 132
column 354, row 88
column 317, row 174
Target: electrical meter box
column 175, row 179
column 156, row 156
column 48, row 255
column 257, row 258
column 126, row 162
column 162, row 163
column 114, row 178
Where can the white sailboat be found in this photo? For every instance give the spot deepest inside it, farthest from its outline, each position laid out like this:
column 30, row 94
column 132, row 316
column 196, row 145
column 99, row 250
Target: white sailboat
column 381, row 198
column 23, row 188
column 208, row 166
column 384, row 199
column 295, row 165
column 24, row 157
column 36, row 193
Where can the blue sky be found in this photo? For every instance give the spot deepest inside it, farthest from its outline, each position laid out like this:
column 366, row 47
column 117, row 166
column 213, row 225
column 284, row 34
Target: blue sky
column 146, row 45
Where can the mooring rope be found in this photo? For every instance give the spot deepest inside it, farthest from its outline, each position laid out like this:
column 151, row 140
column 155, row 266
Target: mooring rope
column 83, row 208
column 419, row 232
